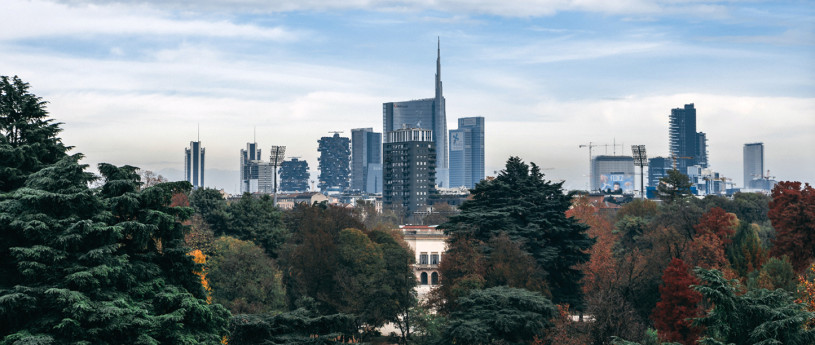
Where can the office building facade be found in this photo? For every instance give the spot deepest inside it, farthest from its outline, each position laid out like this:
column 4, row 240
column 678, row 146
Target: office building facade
column 249, row 169
column 427, row 114
column 366, row 160
column 194, row 164
column 409, row 169
column 657, row 169
column 467, row 152
column 753, row 165
column 334, row 163
column 688, row 146
column 613, row 174
column 294, row 176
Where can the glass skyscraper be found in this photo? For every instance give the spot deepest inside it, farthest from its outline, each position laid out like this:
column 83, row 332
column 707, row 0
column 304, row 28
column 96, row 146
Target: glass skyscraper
column 753, row 165
column 366, row 160
column 467, row 152
column 688, row 146
column 428, row 113
column 194, row 164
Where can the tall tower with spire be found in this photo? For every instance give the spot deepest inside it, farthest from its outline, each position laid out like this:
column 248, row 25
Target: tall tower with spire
column 427, row 113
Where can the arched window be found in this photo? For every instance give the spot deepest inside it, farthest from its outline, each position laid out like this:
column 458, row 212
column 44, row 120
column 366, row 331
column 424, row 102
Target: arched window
column 424, row 278
column 434, row 279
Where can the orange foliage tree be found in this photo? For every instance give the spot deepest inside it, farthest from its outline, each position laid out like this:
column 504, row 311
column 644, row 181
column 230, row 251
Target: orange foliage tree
column 201, row 259
column 717, row 222
column 806, row 290
column 792, row 212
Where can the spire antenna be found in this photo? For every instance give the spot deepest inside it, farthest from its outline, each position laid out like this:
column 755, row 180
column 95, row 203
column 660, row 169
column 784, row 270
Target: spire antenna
column 199, row 131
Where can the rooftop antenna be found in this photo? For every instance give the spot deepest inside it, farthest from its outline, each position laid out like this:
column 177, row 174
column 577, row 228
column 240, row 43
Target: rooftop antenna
column 255, row 134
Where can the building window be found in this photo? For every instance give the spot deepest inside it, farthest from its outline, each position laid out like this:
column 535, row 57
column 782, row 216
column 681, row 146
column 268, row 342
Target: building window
column 424, row 278
column 434, row 259
column 423, row 259
column 434, row 279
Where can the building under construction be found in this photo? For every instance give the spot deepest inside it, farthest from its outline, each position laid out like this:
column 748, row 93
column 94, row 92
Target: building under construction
column 294, row 176
column 335, row 163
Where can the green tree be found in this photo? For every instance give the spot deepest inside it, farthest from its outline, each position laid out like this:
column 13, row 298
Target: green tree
column 675, row 186
column 746, row 254
column 100, row 267
column 759, row 316
column 28, row 139
column 499, row 315
column 211, row 205
column 298, row 327
column 256, row 219
column 244, row 279
column 776, row 273
column 532, row 212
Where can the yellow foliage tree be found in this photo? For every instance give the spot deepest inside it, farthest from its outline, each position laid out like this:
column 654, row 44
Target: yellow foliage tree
column 200, row 258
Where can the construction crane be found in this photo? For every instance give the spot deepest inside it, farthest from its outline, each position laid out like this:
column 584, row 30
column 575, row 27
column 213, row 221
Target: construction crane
column 335, row 132
column 590, row 146
column 674, row 157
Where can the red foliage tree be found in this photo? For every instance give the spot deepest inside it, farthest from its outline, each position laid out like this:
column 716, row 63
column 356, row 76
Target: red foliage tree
column 717, row 222
column 792, row 213
column 706, row 251
column 678, row 305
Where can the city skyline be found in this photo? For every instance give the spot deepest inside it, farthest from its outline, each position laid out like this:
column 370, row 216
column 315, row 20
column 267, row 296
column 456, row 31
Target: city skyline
column 128, row 80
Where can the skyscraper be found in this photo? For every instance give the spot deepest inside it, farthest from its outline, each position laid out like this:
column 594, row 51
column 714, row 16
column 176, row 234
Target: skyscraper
column 753, row 165
column 701, row 150
column 249, row 169
column 334, row 163
column 409, row 169
column 366, row 157
column 294, row 176
column 428, row 113
column 683, row 139
column 194, row 164
column 658, row 168
column 467, row 152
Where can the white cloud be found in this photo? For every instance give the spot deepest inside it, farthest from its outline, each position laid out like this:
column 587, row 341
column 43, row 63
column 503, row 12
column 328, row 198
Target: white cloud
column 60, row 20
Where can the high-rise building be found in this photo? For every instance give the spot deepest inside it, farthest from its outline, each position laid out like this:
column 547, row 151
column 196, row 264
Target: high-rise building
column 753, row 165
column 366, row 156
column 249, row 168
column 467, row 152
column 683, row 139
column 194, row 164
column 428, row 113
column 409, row 169
column 294, row 176
column 613, row 174
column 334, row 163
column 701, row 150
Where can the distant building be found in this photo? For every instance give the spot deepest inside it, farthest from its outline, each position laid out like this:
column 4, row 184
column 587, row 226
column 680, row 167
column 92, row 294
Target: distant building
column 753, row 165
column 335, row 159
column 288, row 201
column 429, row 244
column 428, row 113
column 249, row 169
column 613, row 174
column 366, row 160
column 294, row 176
column 409, row 169
column 467, row 152
column 194, row 164
column 658, row 168
column 689, row 146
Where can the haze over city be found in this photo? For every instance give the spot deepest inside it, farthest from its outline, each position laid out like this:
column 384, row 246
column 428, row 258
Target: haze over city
column 133, row 81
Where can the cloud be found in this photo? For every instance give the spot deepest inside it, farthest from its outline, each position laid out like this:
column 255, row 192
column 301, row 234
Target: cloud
column 61, row 20
column 517, row 8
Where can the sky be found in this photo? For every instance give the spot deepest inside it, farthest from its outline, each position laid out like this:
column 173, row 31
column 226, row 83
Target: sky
column 132, row 81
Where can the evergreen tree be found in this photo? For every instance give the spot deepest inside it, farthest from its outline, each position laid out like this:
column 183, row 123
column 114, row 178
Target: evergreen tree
column 759, row 316
column 675, row 186
column 531, row 211
column 28, row 140
column 99, row 268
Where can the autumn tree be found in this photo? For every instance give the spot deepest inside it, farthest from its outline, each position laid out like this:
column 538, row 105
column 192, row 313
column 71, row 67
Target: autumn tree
column 148, row 178
column 678, row 305
column 776, row 273
column 531, row 211
column 792, row 212
column 461, row 269
column 717, row 222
